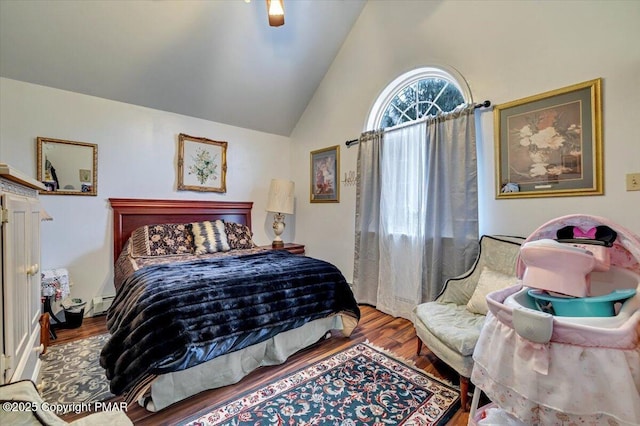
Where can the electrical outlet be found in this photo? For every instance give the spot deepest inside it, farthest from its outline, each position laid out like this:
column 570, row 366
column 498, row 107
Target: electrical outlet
column 633, row 181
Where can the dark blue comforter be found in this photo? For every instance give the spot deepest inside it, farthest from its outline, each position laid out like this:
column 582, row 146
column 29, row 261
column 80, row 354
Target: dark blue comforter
column 170, row 317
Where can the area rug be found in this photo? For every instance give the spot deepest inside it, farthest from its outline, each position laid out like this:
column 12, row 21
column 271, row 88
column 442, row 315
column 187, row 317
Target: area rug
column 71, row 372
column 362, row 385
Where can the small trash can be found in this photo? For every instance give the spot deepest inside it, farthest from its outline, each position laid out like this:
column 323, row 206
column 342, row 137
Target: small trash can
column 73, row 313
column 73, row 317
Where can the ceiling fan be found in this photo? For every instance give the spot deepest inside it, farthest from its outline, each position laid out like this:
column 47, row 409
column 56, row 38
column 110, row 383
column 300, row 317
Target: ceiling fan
column 275, row 10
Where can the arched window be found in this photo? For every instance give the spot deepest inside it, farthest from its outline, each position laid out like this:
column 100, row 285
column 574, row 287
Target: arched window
column 417, row 94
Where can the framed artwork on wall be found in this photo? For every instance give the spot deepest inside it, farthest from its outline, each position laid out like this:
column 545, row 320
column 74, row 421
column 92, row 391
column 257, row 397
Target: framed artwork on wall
column 550, row 145
column 325, row 173
column 202, row 164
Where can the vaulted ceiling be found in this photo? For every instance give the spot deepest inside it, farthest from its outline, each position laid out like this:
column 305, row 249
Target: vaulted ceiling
column 214, row 59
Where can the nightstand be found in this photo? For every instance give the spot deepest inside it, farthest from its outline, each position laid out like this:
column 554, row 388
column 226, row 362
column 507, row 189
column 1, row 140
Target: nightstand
column 290, row 247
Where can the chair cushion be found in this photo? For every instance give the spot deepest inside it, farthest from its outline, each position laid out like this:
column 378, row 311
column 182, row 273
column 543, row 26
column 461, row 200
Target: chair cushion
column 488, row 282
column 24, row 394
column 25, row 391
column 452, row 324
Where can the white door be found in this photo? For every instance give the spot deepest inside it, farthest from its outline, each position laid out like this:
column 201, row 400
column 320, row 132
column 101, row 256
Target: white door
column 33, row 274
column 16, row 281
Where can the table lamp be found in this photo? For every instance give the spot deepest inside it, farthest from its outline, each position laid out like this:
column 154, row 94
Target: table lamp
column 280, row 202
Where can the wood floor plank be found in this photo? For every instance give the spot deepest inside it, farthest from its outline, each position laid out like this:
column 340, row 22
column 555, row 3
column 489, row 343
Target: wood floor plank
column 394, row 334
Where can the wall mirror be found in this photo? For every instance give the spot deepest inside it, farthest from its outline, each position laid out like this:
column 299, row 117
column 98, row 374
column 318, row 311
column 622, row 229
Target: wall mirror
column 67, row 167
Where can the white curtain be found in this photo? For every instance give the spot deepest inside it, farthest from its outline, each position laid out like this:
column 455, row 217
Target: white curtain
column 416, row 211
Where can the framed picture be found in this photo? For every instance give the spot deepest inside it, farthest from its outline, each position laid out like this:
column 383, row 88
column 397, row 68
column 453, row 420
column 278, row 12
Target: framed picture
column 550, row 144
column 325, row 173
column 202, row 164
column 85, row 175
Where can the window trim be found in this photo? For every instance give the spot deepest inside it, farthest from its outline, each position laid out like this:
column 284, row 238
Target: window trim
column 391, row 90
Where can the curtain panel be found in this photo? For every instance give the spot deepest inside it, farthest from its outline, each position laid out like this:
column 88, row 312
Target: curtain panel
column 367, row 226
column 416, row 210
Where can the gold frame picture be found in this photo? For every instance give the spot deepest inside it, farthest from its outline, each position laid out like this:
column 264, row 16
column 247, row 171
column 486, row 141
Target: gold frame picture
column 202, row 164
column 550, row 144
column 325, row 175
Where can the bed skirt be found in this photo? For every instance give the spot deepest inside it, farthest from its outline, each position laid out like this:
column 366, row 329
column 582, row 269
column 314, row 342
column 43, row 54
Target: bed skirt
column 228, row 369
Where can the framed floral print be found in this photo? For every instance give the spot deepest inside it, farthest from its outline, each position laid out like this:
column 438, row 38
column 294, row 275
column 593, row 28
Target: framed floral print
column 550, row 144
column 325, row 172
column 202, row 164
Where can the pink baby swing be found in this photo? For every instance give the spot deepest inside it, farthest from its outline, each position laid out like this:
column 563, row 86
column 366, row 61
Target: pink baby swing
column 574, row 367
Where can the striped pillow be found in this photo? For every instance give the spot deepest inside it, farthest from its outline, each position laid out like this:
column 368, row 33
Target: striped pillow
column 209, row 237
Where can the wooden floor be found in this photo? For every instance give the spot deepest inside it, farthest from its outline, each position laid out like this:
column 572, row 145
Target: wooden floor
column 394, row 334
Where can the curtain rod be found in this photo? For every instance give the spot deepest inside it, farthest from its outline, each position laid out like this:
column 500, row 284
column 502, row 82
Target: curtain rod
column 485, row 104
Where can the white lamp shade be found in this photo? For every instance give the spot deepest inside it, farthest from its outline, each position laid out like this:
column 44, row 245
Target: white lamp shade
column 281, row 196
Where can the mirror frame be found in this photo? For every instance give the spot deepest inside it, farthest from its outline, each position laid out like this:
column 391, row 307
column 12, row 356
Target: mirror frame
column 94, row 188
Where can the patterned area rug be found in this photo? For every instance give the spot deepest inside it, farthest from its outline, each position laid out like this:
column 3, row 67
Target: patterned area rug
column 362, row 385
column 72, row 372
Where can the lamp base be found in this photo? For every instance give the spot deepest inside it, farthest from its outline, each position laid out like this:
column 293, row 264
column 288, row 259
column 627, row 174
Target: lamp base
column 278, row 229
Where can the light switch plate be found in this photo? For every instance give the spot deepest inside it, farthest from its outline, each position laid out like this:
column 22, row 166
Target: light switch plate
column 633, row 181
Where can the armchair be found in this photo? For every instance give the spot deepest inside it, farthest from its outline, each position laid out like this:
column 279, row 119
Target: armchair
column 450, row 326
column 24, row 393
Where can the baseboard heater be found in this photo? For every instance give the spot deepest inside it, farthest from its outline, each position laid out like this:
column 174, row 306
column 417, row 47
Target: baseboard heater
column 101, row 304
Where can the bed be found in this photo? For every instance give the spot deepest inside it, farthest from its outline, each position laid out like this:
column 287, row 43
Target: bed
column 199, row 306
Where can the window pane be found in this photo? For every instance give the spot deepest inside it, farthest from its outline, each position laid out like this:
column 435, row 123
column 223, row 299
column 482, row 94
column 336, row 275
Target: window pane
column 409, row 114
column 428, row 93
column 423, row 106
column 430, row 88
column 429, row 108
column 404, row 98
column 450, row 98
column 429, row 96
column 390, row 117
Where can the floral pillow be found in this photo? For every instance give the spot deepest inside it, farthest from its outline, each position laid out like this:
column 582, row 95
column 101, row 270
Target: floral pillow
column 209, row 237
column 239, row 236
column 161, row 240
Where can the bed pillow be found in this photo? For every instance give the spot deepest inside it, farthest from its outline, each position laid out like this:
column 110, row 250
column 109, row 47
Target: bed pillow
column 239, row 236
column 488, row 282
column 209, row 237
column 165, row 239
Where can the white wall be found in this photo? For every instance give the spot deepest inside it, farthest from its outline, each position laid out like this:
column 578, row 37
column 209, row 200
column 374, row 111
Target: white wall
column 507, row 50
column 137, row 155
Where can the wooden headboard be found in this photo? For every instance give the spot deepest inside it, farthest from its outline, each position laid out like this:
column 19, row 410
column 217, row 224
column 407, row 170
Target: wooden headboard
column 131, row 213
